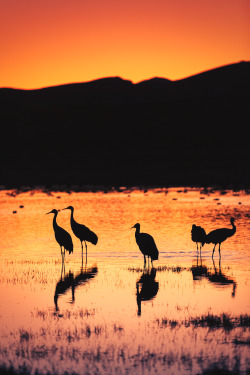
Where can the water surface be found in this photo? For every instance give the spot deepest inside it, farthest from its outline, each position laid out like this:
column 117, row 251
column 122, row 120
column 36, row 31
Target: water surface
column 187, row 315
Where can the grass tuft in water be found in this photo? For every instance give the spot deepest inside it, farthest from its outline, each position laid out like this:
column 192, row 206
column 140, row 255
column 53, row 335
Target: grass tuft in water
column 177, row 269
column 224, row 321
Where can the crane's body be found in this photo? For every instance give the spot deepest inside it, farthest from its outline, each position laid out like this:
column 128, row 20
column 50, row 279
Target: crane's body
column 62, row 237
column 220, row 235
column 146, row 244
column 81, row 231
column 198, row 235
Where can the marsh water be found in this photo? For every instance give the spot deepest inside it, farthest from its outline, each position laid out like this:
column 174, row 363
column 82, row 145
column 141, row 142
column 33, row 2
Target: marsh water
column 185, row 315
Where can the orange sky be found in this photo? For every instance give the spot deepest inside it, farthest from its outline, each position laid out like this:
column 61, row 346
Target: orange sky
column 51, row 42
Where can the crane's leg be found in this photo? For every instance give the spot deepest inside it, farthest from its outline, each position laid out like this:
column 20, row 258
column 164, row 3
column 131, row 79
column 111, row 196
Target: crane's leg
column 200, row 250
column 86, row 250
column 82, row 253
column 64, row 260
column 138, row 299
column 62, row 263
column 145, row 261
column 219, row 250
column 213, row 251
column 197, row 248
column 61, row 253
column 214, row 266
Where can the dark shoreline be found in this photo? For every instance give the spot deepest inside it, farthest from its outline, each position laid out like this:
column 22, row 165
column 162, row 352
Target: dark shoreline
column 18, row 189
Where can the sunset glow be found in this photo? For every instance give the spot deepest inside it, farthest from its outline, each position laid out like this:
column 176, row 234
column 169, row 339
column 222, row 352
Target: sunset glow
column 46, row 43
column 112, row 314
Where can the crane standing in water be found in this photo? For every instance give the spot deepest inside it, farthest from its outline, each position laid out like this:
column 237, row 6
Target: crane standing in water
column 62, row 236
column 198, row 235
column 146, row 244
column 220, row 235
column 81, row 231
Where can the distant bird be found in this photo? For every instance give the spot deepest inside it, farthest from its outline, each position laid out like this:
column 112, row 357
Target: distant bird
column 72, row 282
column 148, row 288
column 198, row 235
column 146, row 244
column 81, row 231
column 62, row 236
column 218, row 236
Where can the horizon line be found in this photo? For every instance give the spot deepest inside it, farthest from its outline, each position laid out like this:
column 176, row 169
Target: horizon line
column 124, row 79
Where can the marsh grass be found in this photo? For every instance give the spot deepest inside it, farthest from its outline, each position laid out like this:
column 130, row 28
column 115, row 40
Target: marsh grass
column 143, row 362
column 27, row 272
column 176, row 269
column 224, row 321
column 237, row 341
column 29, row 356
column 65, row 314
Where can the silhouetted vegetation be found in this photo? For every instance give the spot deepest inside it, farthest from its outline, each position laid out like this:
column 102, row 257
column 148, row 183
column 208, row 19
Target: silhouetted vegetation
column 218, row 369
column 224, row 321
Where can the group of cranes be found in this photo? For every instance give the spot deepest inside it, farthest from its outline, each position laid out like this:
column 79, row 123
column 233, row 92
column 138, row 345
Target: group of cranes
column 80, row 231
column 215, row 237
column 144, row 241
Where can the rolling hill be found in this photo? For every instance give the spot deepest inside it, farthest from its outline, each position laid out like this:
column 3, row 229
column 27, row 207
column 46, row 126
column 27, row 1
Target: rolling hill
column 110, row 131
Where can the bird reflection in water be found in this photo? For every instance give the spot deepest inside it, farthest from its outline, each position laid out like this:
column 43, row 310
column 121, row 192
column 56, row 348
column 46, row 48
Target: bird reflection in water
column 215, row 276
column 219, row 278
column 146, row 287
column 199, row 270
column 72, row 282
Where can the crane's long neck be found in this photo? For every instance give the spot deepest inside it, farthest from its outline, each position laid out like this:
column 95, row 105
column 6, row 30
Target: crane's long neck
column 72, row 216
column 137, row 231
column 55, row 225
column 233, row 230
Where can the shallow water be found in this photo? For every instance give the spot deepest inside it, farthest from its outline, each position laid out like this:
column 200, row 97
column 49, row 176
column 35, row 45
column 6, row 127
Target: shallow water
column 112, row 316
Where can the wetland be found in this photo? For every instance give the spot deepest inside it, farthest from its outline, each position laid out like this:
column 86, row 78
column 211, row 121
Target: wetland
column 188, row 314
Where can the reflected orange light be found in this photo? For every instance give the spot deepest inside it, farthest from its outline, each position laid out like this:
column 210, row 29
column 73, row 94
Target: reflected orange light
column 46, row 43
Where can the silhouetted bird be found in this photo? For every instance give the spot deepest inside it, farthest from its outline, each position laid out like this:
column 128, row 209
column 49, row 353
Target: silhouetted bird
column 146, row 244
column 199, row 270
column 81, row 231
column 62, row 286
column 220, row 279
column 198, row 235
column 218, row 236
column 148, row 288
column 72, row 282
column 62, row 236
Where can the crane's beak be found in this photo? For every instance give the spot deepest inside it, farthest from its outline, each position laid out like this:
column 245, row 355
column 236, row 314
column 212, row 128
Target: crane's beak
column 48, row 213
column 66, row 208
column 132, row 227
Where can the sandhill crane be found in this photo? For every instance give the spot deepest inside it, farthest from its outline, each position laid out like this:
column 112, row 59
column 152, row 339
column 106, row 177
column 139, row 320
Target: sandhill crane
column 148, row 288
column 62, row 236
column 72, row 282
column 218, row 236
column 198, row 235
column 146, row 244
column 81, row 231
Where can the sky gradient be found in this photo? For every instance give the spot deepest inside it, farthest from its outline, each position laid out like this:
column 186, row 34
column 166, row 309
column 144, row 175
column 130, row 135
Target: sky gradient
column 46, row 43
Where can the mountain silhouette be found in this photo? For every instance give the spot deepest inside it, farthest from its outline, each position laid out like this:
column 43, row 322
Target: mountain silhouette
column 113, row 132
